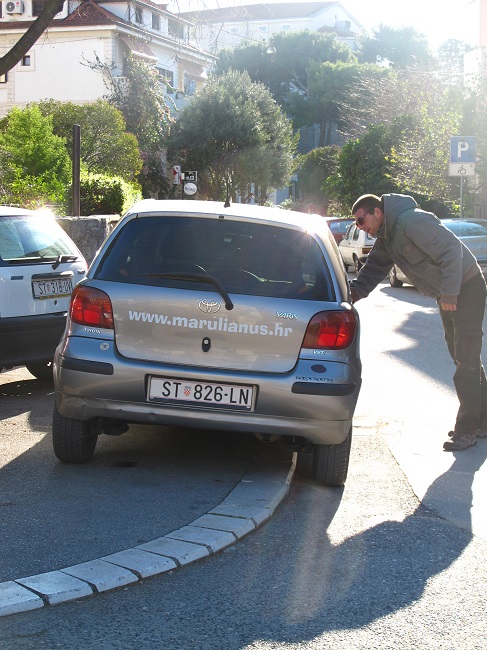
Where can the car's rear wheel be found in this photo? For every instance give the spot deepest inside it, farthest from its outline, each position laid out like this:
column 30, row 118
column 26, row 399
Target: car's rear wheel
column 73, row 440
column 393, row 280
column 330, row 462
column 41, row 370
column 357, row 264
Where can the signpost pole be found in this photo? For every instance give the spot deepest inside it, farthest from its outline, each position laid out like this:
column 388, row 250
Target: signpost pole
column 461, row 197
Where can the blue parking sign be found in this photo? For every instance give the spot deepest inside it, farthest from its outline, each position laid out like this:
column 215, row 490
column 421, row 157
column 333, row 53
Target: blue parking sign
column 463, row 149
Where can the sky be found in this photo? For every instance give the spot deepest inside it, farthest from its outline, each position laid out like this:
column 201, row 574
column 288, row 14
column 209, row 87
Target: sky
column 439, row 20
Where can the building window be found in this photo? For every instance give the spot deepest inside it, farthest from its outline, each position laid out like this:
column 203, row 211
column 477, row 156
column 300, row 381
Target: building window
column 37, row 7
column 263, row 29
column 189, row 86
column 234, row 30
column 175, row 29
column 286, row 28
column 26, row 61
column 3, row 78
column 138, row 15
column 168, row 79
column 156, row 22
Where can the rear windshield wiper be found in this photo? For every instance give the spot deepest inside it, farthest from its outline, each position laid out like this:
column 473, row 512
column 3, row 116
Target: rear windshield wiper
column 62, row 259
column 192, row 277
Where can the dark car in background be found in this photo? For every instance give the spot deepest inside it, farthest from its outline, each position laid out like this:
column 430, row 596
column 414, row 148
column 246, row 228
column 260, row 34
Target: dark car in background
column 222, row 318
column 472, row 232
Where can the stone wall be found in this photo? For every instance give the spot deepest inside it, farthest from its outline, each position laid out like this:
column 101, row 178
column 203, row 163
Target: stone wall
column 89, row 233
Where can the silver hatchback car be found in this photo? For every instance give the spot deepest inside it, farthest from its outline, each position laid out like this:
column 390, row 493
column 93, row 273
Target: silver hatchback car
column 223, row 318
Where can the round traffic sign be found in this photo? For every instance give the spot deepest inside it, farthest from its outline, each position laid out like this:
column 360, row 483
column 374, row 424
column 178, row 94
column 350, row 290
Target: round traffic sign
column 190, row 188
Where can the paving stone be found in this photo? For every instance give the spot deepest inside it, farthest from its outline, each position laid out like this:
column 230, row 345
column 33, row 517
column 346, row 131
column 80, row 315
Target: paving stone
column 254, row 492
column 143, row 563
column 258, row 514
column 215, row 540
column 102, row 575
column 57, row 587
column 181, row 552
column 14, row 599
column 236, row 525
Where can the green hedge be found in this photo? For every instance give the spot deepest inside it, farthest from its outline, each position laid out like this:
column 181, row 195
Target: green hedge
column 101, row 194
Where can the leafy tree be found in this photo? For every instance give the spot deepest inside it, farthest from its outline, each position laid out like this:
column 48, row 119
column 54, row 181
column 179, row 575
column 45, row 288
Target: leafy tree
column 327, row 83
column 364, row 166
column 308, row 75
column 237, row 138
column 142, row 103
column 285, row 71
column 314, row 168
column 35, row 164
column 418, row 159
column 106, row 147
column 399, row 47
column 474, row 123
column 450, row 56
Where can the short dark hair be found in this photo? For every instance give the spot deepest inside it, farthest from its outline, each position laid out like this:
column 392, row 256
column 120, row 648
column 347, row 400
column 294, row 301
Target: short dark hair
column 368, row 202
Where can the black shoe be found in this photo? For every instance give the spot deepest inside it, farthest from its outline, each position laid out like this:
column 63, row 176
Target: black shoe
column 460, row 441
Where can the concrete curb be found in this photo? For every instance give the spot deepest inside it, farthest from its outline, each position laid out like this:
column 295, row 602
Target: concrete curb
column 251, row 503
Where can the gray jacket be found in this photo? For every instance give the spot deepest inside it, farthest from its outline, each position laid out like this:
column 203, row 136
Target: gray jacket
column 429, row 254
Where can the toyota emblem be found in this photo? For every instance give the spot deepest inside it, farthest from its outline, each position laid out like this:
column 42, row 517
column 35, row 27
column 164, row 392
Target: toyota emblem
column 209, row 306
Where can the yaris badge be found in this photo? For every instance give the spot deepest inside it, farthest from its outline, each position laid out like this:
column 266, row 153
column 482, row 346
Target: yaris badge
column 209, row 306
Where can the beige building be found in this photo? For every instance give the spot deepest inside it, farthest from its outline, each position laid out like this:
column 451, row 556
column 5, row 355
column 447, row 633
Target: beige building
column 57, row 67
column 228, row 27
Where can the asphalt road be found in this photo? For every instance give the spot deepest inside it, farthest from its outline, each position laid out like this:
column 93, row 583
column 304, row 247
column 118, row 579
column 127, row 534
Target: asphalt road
column 367, row 566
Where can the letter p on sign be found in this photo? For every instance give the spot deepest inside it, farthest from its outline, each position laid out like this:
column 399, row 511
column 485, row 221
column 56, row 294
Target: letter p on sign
column 463, row 149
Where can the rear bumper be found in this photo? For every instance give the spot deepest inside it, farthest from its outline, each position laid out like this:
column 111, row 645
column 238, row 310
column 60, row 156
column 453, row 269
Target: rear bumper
column 29, row 339
column 317, row 406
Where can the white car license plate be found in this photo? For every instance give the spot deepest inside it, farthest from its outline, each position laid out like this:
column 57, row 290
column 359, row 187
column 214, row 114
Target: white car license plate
column 55, row 288
column 232, row 396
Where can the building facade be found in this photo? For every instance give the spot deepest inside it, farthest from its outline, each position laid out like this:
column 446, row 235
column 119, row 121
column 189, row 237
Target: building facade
column 217, row 29
column 58, row 65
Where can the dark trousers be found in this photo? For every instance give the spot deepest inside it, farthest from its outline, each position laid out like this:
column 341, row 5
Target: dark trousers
column 463, row 334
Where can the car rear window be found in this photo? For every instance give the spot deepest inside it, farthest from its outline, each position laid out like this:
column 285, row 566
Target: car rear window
column 31, row 239
column 247, row 258
column 339, row 227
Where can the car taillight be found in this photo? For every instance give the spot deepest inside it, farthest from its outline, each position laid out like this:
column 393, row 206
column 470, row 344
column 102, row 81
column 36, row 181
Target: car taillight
column 330, row 330
column 91, row 307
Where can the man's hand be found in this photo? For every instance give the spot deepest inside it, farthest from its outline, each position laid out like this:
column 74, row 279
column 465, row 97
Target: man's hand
column 354, row 295
column 448, row 306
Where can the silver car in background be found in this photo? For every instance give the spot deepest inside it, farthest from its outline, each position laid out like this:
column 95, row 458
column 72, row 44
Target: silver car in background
column 223, row 318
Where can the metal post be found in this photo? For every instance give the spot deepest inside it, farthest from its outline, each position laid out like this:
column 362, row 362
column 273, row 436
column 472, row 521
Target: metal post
column 461, row 197
column 76, row 169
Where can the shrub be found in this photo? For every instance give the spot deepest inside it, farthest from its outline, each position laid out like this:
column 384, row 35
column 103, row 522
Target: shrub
column 102, row 194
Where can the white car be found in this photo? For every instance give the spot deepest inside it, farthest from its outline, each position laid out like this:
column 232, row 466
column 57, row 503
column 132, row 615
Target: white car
column 39, row 267
column 355, row 247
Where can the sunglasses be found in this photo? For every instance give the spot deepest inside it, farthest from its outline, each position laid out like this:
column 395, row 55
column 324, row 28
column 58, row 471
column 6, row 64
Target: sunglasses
column 361, row 220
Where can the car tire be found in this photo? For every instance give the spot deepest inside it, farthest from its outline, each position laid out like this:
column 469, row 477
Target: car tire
column 357, row 264
column 330, row 463
column 73, row 440
column 41, row 370
column 393, row 281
